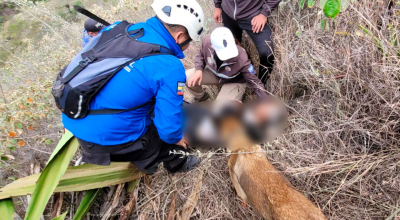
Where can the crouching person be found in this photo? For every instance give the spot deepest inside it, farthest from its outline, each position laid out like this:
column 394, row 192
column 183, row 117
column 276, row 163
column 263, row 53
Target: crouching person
column 137, row 115
column 221, row 62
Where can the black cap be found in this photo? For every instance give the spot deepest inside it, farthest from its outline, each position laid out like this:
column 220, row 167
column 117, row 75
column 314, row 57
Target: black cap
column 93, row 26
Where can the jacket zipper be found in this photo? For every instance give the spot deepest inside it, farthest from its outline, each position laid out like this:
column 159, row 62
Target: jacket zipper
column 119, row 35
column 234, row 12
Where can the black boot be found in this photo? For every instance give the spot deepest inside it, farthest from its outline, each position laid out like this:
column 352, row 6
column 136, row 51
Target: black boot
column 191, row 163
column 152, row 169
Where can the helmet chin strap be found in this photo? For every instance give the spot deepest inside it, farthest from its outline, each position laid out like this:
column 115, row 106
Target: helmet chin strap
column 185, row 43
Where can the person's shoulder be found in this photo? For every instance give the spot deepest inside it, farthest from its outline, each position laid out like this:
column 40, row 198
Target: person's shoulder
column 206, row 40
column 243, row 56
column 163, row 64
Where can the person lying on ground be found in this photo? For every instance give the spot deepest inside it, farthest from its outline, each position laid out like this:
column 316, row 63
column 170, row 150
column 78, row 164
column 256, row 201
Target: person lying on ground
column 251, row 16
column 144, row 136
column 221, row 62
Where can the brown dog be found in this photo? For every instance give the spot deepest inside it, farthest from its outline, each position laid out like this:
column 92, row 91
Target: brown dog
column 255, row 179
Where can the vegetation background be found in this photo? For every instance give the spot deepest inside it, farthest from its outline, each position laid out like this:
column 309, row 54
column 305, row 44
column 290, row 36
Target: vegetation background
column 339, row 78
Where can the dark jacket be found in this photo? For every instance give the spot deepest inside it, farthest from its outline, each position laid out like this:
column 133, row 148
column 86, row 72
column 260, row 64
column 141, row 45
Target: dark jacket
column 245, row 9
column 235, row 70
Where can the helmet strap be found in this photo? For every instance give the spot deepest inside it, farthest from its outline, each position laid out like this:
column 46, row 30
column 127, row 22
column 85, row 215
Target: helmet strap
column 185, row 43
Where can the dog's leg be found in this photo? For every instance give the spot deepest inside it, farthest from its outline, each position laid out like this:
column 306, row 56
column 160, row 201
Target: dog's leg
column 235, row 181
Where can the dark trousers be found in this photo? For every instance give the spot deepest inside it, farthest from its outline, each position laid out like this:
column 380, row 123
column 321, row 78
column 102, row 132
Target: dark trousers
column 147, row 151
column 262, row 41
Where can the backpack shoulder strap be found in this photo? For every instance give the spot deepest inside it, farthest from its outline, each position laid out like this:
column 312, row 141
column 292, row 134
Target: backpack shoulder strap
column 116, row 111
column 89, row 56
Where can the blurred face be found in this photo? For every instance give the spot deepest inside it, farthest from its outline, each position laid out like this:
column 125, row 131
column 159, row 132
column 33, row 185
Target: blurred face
column 93, row 33
column 266, row 119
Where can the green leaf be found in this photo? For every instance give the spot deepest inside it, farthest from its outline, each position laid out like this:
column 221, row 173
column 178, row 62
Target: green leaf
column 49, row 179
column 19, row 125
column 86, row 203
column 302, row 3
column 61, row 217
column 79, row 178
column 12, row 141
column 48, row 141
column 332, row 8
column 344, row 4
column 64, row 139
column 7, row 209
column 323, row 23
column 311, row 3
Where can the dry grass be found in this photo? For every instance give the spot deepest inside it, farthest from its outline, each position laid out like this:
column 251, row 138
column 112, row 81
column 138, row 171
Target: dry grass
column 341, row 147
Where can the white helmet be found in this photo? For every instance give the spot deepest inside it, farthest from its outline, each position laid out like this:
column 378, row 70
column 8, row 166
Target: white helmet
column 187, row 13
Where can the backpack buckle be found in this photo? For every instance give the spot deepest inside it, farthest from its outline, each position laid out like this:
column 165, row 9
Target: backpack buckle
column 83, row 63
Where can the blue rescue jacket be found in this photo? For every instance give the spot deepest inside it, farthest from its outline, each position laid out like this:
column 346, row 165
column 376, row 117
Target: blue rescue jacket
column 85, row 38
column 160, row 76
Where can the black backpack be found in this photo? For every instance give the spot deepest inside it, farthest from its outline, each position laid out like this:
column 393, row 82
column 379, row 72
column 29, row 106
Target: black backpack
column 96, row 64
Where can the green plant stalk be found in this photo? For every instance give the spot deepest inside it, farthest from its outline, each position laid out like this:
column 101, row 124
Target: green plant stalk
column 49, row 179
column 86, row 203
column 377, row 41
column 302, row 4
column 7, row 209
column 79, row 178
column 61, row 217
column 132, row 185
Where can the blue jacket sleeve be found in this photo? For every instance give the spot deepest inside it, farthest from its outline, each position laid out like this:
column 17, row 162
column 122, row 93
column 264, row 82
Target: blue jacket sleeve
column 168, row 114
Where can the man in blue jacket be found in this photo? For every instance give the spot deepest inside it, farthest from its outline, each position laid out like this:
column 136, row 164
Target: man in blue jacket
column 135, row 135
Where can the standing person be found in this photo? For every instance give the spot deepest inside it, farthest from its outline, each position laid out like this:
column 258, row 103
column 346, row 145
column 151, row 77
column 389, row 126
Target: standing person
column 92, row 29
column 221, row 62
column 251, row 16
column 147, row 134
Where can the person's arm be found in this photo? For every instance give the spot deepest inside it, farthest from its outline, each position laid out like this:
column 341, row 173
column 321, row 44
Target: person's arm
column 199, row 62
column 218, row 11
column 252, row 80
column 168, row 114
column 217, row 3
column 269, row 6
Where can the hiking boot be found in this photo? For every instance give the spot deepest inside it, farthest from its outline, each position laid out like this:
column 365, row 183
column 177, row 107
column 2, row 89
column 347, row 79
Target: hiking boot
column 151, row 170
column 202, row 98
column 191, row 163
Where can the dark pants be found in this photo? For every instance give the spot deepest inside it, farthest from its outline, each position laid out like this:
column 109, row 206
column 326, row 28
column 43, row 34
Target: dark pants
column 262, row 41
column 145, row 152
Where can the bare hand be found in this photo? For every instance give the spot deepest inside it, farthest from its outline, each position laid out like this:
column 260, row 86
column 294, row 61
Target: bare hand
column 218, row 15
column 258, row 23
column 196, row 78
column 182, row 143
